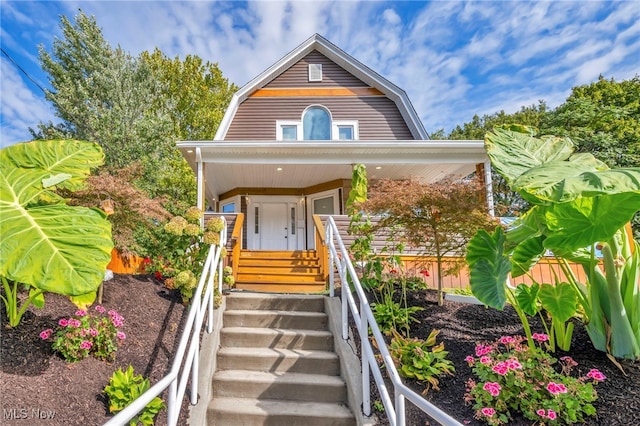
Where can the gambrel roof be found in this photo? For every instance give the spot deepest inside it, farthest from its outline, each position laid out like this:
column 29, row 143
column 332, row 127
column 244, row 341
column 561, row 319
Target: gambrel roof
column 341, row 58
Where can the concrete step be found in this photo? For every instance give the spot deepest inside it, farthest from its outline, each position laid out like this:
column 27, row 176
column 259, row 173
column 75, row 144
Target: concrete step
column 276, row 319
column 280, row 302
column 252, row 412
column 279, row 360
column 286, row 386
column 243, row 337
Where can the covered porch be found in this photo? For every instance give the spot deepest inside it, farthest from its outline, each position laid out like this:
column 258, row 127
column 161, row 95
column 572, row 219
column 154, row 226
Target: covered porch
column 280, row 186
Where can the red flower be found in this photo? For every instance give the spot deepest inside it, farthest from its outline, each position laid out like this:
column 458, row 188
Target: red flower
column 425, row 273
column 158, row 276
column 394, row 271
column 146, row 260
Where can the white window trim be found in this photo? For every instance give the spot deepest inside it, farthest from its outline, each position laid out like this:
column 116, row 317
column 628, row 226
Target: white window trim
column 335, row 134
column 313, row 69
column 233, row 200
column 334, row 127
column 282, row 123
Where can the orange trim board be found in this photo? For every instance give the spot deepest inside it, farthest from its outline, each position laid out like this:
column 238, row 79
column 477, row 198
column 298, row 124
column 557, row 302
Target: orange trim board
column 317, row 91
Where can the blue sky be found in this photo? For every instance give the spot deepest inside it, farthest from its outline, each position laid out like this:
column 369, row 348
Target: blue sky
column 453, row 58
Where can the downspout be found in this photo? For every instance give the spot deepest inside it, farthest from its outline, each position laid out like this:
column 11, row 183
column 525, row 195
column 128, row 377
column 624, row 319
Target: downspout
column 200, row 184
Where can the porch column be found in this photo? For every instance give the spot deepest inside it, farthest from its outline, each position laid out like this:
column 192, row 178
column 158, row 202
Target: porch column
column 200, row 183
column 483, row 171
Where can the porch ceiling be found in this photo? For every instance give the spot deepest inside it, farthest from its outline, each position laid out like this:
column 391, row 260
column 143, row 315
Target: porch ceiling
column 229, row 165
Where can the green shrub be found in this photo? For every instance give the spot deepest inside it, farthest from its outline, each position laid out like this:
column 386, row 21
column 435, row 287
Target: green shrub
column 124, row 388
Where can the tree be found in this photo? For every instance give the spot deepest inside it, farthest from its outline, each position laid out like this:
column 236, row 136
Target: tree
column 197, row 91
column 102, row 95
column 602, row 118
column 438, row 218
column 134, row 107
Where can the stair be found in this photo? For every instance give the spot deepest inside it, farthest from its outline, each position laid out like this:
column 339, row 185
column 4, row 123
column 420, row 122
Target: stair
column 296, row 271
column 276, row 364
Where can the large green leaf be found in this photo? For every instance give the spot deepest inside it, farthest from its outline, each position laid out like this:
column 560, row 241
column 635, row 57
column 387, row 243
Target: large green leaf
column 562, row 181
column 25, row 166
column 526, row 255
column 584, row 221
column 527, row 298
column 560, row 300
column 489, row 267
column 513, row 150
column 52, row 247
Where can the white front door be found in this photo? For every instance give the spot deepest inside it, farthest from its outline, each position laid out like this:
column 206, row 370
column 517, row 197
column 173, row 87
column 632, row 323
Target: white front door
column 273, row 223
column 275, row 233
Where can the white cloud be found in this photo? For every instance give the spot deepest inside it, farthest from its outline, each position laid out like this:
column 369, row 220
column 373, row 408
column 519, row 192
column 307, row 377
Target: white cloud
column 20, row 108
column 453, row 58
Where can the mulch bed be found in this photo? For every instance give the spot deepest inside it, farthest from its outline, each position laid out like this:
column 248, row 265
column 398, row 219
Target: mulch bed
column 35, row 382
column 38, row 387
column 462, row 326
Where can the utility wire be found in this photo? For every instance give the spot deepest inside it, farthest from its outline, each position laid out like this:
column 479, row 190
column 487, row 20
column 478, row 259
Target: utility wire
column 23, row 70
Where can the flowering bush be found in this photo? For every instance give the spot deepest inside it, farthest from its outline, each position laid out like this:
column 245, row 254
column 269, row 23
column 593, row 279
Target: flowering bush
column 516, row 378
column 84, row 334
column 181, row 249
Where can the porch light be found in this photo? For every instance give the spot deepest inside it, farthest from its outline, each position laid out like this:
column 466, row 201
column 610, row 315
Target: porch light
column 378, row 167
column 279, row 169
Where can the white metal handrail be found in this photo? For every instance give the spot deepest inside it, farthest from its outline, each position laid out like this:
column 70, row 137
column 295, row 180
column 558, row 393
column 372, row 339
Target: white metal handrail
column 366, row 324
column 178, row 376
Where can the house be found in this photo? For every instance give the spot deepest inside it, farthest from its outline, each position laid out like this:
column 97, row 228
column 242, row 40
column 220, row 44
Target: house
column 286, row 146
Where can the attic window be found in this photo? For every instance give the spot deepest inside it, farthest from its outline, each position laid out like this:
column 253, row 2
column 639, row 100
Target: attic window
column 315, row 72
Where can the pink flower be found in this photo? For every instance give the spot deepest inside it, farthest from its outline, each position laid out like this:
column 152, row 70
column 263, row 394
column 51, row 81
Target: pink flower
column 507, row 339
column 551, row 414
column 501, row 368
column 81, row 313
column 120, row 335
column 93, row 332
column 486, row 360
column 86, row 344
column 488, row 411
column 74, row 323
column 100, row 309
column 541, row 412
column 596, row 375
column 556, row 388
column 493, row 388
column 540, row 337
column 513, row 364
column 470, row 360
column 568, row 360
column 63, row 322
column 45, row 334
column 483, row 350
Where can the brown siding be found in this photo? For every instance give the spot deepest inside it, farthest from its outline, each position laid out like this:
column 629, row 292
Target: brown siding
column 333, row 75
column 378, row 117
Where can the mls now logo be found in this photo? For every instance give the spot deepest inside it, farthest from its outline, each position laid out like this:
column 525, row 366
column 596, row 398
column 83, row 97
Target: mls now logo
column 15, row 413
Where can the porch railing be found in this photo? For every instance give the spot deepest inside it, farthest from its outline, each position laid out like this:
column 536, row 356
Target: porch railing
column 367, row 327
column 185, row 363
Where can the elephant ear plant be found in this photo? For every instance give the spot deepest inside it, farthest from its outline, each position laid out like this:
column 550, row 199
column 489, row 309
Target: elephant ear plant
column 46, row 245
column 579, row 206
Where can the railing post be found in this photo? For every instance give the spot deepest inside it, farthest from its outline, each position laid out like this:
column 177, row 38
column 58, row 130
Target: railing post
column 329, row 242
column 171, row 405
column 345, row 310
column 400, row 417
column 366, row 387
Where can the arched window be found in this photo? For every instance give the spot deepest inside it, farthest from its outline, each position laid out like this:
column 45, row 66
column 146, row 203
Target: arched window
column 316, row 124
